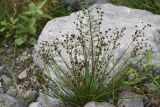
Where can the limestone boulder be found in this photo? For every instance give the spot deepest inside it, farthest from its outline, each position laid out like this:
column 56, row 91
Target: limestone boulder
column 115, row 17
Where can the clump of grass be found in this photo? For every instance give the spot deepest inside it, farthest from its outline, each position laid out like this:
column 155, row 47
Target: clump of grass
column 89, row 68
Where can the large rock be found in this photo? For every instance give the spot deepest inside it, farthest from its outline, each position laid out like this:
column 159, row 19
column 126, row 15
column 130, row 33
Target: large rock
column 114, row 17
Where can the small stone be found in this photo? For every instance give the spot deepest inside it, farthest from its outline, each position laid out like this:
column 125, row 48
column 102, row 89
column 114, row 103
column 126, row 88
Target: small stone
column 12, row 92
column 35, row 104
column 31, row 95
column 131, row 100
column 47, row 101
column 23, row 74
column 28, row 96
column 1, row 67
column 1, row 88
column 9, row 51
column 98, row 104
column 6, row 79
column 1, row 97
column 10, row 101
column 1, row 105
column 32, row 66
column 24, row 56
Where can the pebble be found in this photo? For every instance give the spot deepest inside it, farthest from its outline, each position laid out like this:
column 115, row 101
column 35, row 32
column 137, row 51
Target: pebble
column 1, row 67
column 12, row 92
column 31, row 95
column 130, row 99
column 23, row 74
column 6, row 80
column 99, row 104
column 47, row 101
column 10, row 101
column 35, row 104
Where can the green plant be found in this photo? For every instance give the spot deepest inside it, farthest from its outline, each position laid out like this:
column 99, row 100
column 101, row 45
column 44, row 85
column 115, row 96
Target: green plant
column 147, row 75
column 90, row 70
column 151, row 5
column 154, row 78
column 7, row 7
column 156, row 84
column 8, row 27
column 85, row 4
column 26, row 31
column 23, row 29
column 58, row 9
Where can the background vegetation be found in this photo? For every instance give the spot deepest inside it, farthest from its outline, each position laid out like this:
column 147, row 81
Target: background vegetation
column 22, row 22
column 150, row 5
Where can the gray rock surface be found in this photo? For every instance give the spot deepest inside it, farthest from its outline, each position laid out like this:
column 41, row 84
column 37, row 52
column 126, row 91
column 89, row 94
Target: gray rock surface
column 13, row 102
column 1, row 67
column 6, row 80
column 28, row 96
column 98, row 104
column 1, row 97
column 114, row 17
column 12, row 92
column 23, row 74
column 47, row 101
column 35, row 104
column 130, row 99
column 31, row 95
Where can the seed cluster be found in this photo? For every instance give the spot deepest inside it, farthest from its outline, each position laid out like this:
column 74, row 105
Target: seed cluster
column 141, row 45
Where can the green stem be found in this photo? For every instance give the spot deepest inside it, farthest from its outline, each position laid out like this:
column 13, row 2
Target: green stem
column 12, row 70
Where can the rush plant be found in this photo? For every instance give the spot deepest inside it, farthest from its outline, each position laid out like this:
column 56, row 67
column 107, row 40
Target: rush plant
column 84, row 67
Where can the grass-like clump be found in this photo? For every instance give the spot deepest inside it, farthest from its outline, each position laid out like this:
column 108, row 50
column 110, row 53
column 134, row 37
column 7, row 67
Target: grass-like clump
column 93, row 72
